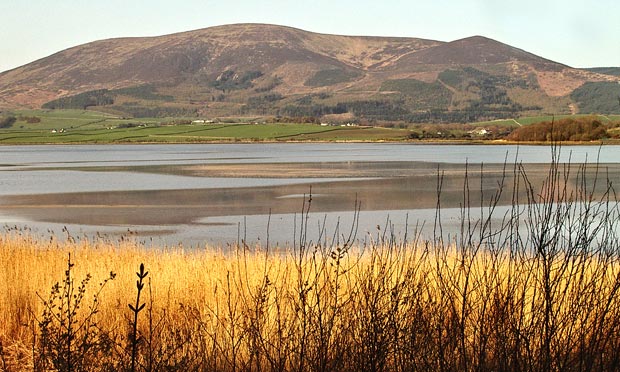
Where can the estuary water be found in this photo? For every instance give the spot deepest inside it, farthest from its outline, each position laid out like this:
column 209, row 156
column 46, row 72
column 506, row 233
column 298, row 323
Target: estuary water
column 220, row 194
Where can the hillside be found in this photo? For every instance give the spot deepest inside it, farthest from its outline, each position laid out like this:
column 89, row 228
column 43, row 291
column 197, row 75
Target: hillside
column 256, row 69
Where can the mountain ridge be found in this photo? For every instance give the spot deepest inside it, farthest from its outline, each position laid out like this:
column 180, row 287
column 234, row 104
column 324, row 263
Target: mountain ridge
column 229, row 69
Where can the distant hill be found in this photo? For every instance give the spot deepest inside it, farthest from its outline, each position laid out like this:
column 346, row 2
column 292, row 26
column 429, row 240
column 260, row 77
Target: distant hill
column 268, row 70
column 613, row 71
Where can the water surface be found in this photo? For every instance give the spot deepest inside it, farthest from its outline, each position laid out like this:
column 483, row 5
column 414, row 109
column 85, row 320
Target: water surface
column 219, row 193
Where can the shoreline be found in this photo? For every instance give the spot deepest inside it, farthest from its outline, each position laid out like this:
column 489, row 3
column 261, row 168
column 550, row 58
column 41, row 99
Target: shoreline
column 247, row 141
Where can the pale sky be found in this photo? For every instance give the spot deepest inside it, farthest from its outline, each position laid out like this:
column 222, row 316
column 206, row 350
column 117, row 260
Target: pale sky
column 577, row 33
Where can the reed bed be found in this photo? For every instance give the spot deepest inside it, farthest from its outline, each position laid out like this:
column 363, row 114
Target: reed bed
column 537, row 291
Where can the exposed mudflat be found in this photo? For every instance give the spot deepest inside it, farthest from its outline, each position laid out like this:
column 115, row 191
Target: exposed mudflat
column 373, row 186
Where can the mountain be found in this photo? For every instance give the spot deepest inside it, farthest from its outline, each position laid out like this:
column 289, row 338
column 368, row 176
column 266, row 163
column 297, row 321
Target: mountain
column 257, row 69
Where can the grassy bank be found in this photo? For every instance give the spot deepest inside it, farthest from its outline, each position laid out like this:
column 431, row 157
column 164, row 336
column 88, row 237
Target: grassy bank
column 536, row 292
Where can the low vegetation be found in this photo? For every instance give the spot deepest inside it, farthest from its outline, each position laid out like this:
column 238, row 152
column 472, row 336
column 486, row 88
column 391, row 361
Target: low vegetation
column 146, row 92
column 536, row 291
column 332, row 76
column 603, row 97
column 423, row 95
column 613, row 71
column 140, row 111
column 82, row 101
column 230, row 80
column 7, row 121
column 568, row 129
column 106, row 98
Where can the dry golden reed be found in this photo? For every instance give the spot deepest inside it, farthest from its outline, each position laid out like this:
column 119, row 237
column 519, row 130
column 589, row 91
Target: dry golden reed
column 389, row 307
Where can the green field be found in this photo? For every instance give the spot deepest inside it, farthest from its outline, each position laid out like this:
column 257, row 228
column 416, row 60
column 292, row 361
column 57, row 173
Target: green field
column 84, row 126
column 76, row 126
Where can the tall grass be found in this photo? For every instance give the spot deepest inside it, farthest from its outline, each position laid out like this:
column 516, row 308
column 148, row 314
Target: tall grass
column 533, row 290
